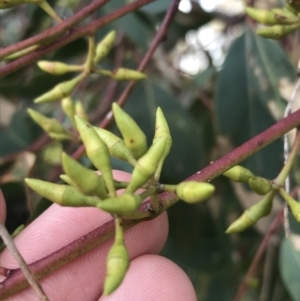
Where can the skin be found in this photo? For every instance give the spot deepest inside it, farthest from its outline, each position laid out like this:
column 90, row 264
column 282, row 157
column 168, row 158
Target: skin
column 150, row 276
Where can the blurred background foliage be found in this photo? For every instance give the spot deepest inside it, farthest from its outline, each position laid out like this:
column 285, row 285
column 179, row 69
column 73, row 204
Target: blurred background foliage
column 218, row 83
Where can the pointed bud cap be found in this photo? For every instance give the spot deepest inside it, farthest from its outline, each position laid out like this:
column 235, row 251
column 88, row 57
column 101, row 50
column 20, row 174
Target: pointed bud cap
column 294, row 205
column 162, row 131
column 50, row 125
column 97, row 151
column 123, row 204
column 260, row 185
column 117, row 264
column 57, row 68
column 104, row 46
column 133, row 136
column 116, row 146
column 80, row 111
column 84, row 179
column 261, row 16
column 68, row 107
column 128, row 74
column 277, row 31
column 253, row 214
column 192, row 192
column 60, row 91
column 146, row 166
column 63, row 195
column 238, row 174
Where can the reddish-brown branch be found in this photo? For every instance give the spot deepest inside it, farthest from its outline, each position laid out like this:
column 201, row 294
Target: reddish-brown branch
column 16, row 282
column 85, row 30
column 259, row 254
column 55, row 30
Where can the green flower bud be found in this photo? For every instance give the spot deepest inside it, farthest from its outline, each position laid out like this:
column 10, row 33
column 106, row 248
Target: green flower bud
column 128, row 74
column 117, row 262
column 123, row 204
column 146, row 166
column 104, row 46
column 97, row 151
column 61, row 90
column 69, row 108
column 284, row 16
column 67, row 180
column 116, row 146
column 261, row 16
column 84, row 179
column 253, row 214
column 238, row 174
column 20, row 53
column 192, row 192
column 162, row 132
column 63, row 195
column 58, row 68
column 80, row 111
column 294, row 205
column 50, row 125
column 260, row 185
column 277, row 31
column 133, row 136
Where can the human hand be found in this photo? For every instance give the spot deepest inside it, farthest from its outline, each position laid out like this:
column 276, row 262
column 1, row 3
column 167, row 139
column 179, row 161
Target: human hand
column 150, row 276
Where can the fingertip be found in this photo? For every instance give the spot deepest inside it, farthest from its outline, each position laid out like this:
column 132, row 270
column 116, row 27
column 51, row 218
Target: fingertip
column 153, row 277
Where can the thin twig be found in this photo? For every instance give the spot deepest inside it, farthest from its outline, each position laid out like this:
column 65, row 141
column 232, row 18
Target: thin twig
column 22, row 264
column 286, row 147
column 55, row 30
column 73, row 35
column 258, row 256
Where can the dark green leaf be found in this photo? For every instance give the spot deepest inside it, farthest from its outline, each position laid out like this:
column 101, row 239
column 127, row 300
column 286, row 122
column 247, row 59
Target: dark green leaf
column 20, row 134
column 290, row 265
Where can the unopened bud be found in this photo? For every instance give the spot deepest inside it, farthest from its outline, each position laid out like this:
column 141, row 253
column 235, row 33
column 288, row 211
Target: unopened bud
column 253, row 214
column 84, row 179
column 61, row 90
column 123, row 204
column 69, row 108
column 97, row 151
column 260, row 185
column 277, row 31
column 146, row 166
column 261, row 16
column 293, row 204
column 238, row 174
column 116, row 146
column 193, row 192
column 104, row 46
column 133, row 136
column 50, row 125
column 63, row 195
column 117, row 262
column 128, row 74
column 58, row 68
column 80, row 111
column 162, row 132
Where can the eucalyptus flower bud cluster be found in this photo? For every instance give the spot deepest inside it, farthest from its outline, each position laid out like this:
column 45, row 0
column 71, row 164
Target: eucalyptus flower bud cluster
column 63, row 91
column 259, row 185
column 85, row 188
column 282, row 21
